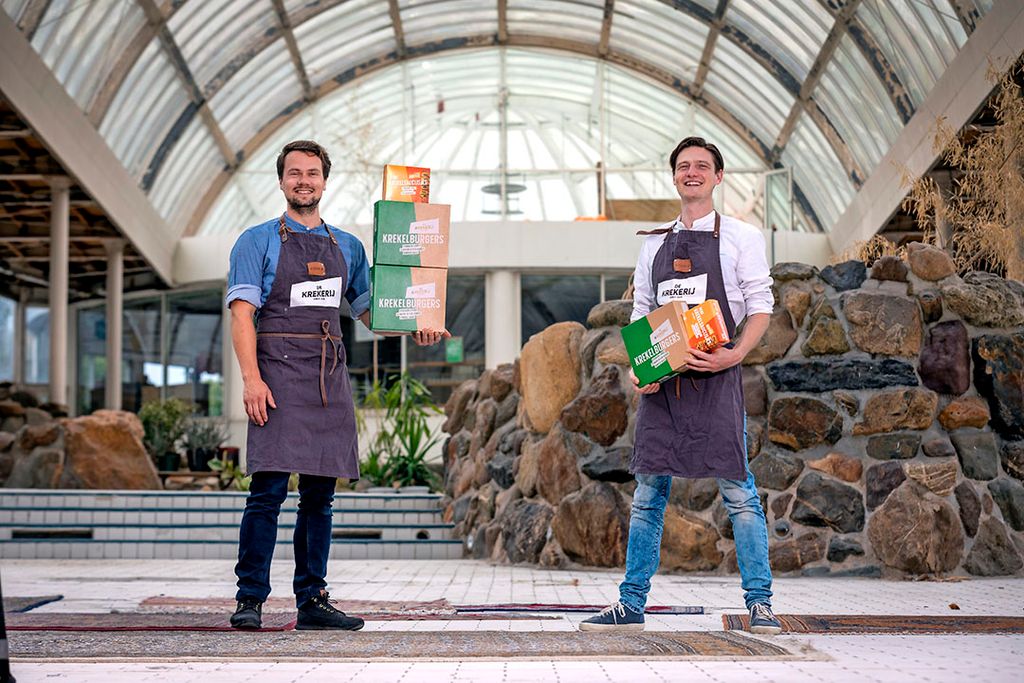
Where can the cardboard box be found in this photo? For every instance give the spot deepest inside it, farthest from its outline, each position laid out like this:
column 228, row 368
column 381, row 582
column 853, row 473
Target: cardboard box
column 406, row 183
column 411, row 234
column 405, row 299
column 657, row 344
column 705, row 326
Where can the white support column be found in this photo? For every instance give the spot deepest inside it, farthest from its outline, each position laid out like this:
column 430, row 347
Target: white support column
column 115, row 313
column 234, row 405
column 19, row 336
column 502, row 318
column 60, row 232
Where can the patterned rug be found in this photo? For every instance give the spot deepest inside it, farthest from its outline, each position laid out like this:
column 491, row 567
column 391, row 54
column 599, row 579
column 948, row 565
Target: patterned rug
column 396, row 645
column 552, row 607
column 865, row 624
column 123, row 621
column 18, row 604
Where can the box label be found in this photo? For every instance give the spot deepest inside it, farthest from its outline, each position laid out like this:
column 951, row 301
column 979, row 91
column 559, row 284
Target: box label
column 407, row 299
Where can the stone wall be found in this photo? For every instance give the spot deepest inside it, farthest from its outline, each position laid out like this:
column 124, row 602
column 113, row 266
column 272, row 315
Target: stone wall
column 885, row 430
column 39, row 448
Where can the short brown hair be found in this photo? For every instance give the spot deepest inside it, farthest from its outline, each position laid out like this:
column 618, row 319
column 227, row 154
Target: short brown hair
column 309, row 147
column 694, row 141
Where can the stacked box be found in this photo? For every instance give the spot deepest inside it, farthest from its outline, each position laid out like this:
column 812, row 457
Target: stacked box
column 705, row 326
column 406, row 183
column 406, row 299
column 657, row 344
column 411, row 234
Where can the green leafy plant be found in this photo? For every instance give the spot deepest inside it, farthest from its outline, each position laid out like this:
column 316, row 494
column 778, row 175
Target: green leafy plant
column 396, row 455
column 163, row 425
column 204, row 434
column 231, row 475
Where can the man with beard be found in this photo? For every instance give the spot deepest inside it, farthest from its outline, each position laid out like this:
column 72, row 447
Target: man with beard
column 285, row 287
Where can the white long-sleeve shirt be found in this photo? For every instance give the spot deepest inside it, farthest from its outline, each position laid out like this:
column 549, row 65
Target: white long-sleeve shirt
column 748, row 284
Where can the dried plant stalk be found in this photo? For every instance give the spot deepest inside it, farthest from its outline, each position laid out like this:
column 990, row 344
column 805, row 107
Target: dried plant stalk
column 984, row 209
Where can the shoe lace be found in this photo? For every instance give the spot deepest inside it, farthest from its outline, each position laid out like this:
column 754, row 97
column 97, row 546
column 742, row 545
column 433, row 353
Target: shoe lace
column 762, row 611
column 323, row 601
column 617, row 607
column 249, row 603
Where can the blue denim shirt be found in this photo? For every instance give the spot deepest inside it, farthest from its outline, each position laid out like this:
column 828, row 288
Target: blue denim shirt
column 254, row 264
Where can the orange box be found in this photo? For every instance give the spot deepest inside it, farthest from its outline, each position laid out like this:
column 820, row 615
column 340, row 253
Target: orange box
column 406, row 183
column 705, row 327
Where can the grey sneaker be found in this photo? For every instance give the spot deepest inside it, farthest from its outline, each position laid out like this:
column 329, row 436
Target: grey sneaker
column 615, row 617
column 762, row 620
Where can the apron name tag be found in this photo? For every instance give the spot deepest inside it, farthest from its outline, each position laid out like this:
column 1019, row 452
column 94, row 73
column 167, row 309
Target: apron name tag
column 691, row 290
column 315, row 269
column 682, row 265
column 326, row 293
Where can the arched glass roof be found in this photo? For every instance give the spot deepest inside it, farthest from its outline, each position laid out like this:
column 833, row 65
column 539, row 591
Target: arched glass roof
column 194, row 96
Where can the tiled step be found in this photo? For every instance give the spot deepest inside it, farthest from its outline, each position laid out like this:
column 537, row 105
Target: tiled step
column 42, row 524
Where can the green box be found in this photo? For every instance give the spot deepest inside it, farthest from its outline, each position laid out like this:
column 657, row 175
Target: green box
column 657, row 344
column 404, row 299
column 411, row 234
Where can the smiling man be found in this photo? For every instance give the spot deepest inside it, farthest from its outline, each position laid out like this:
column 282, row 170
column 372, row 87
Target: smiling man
column 694, row 426
column 286, row 282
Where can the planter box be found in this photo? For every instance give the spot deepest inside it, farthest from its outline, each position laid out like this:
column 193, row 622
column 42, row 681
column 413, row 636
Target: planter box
column 411, row 234
column 405, row 299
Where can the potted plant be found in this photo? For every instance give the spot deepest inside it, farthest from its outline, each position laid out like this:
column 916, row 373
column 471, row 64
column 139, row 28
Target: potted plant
column 202, row 439
column 163, row 423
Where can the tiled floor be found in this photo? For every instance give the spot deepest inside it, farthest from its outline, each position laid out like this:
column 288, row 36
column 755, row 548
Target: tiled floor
column 121, row 585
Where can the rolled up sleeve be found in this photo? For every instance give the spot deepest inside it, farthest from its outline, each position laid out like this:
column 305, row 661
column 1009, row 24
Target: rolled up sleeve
column 245, row 275
column 358, row 292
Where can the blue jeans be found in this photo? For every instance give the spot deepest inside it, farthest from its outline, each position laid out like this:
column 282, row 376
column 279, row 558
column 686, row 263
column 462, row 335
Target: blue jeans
column 258, row 535
column 647, row 519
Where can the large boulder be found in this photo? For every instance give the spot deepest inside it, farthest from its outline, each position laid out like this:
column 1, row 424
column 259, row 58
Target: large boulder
column 792, row 270
column 527, row 467
column 930, row 302
column 612, row 351
column 883, row 323
column 825, row 502
column 797, row 301
column 455, row 407
column 524, row 529
column 776, row 341
column 945, row 364
column 610, row 314
column 104, row 451
column 1012, row 455
column 557, row 468
column 929, row 262
column 755, row 393
column 827, row 338
column 844, row 373
column 688, row 543
column 40, row 469
column 600, row 411
column 693, row 494
column 549, row 373
column 799, row 422
column 608, row 464
column 985, row 300
column 891, row 268
column 900, row 409
column 592, row 526
column 993, row 553
column 497, row 383
column 999, row 376
column 916, row 532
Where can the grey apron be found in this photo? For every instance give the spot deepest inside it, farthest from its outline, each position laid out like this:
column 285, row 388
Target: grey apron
column 302, row 360
column 693, row 426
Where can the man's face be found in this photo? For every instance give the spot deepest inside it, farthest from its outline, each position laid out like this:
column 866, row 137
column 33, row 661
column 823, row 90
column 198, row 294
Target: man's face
column 303, row 180
column 695, row 177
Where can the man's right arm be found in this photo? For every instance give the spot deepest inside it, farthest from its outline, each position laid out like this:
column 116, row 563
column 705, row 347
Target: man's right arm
column 256, row 394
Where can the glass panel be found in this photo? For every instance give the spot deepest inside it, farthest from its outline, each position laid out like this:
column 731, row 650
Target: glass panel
column 549, row 299
column 149, row 102
column 37, row 345
column 142, row 364
column 14, row 7
column 195, row 363
column 343, row 37
column 615, row 286
column 778, row 200
column 576, row 20
column 818, row 172
column 359, row 350
column 8, row 310
column 464, row 316
column 792, row 33
column 858, row 105
column 92, row 359
column 660, row 35
column 424, row 21
column 191, row 164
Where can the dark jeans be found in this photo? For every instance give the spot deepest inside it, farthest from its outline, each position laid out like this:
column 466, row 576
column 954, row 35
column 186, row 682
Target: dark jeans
column 258, row 535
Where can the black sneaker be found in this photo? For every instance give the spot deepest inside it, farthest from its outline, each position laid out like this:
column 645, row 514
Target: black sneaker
column 318, row 614
column 616, row 617
column 248, row 614
column 763, row 621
